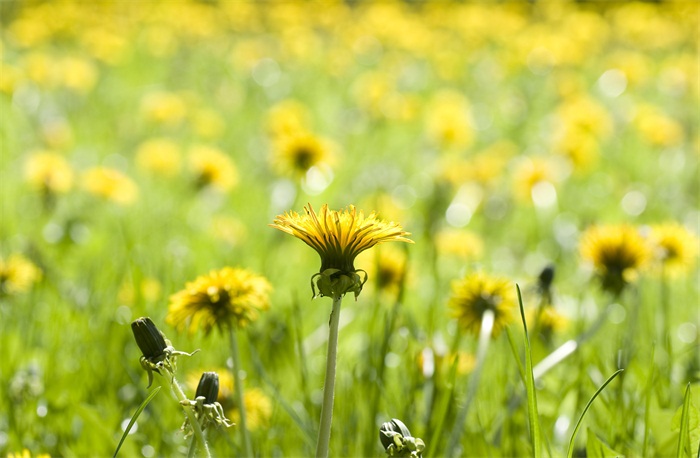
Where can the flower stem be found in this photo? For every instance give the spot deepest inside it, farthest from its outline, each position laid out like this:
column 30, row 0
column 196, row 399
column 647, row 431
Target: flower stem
column 484, row 339
column 324, row 432
column 238, row 389
column 199, row 435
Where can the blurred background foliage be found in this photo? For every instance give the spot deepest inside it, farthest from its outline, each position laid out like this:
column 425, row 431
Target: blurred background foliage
column 145, row 145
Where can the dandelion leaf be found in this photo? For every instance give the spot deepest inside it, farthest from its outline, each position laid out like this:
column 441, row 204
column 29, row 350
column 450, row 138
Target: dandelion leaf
column 596, row 448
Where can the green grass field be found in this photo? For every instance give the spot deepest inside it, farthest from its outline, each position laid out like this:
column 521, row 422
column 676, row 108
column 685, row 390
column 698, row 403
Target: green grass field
column 144, row 147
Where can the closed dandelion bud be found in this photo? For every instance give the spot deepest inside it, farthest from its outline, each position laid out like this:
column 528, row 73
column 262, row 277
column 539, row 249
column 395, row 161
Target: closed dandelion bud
column 546, row 277
column 149, row 339
column 208, row 387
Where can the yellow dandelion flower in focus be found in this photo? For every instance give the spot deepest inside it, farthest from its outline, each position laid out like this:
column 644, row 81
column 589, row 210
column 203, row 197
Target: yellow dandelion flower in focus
column 338, row 237
column 110, row 184
column 476, row 293
column 159, row 156
column 223, row 298
column 17, row 274
column 212, row 167
column 617, row 252
column 48, row 172
column 675, row 247
column 295, row 154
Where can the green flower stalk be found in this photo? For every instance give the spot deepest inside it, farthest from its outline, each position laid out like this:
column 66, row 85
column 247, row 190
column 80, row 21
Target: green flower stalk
column 338, row 237
column 397, row 440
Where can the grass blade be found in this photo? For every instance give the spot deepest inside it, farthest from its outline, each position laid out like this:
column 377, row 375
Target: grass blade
column 570, row 452
column 684, row 433
column 136, row 416
column 533, row 415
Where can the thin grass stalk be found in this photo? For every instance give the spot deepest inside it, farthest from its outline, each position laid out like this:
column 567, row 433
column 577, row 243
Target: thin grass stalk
column 324, row 432
column 647, row 401
column 176, row 390
column 484, row 338
column 238, row 391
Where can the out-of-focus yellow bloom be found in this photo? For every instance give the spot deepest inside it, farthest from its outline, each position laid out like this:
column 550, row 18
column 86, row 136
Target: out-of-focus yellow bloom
column 211, row 167
column 110, row 184
column 387, row 267
column 159, row 156
column 27, row 454
column 208, row 124
column 161, row 41
column 288, row 117
column 548, row 322
column 463, row 244
column 295, row 154
column 338, row 237
column 40, row 68
column 105, row 45
column 485, row 167
column 448, row 120
column 529, row 173
column 476, row 293
column 223, row 298
column 636, row 66
column 28, row 33
column 657, row 128
column 370, row 90
column 17, row 274
column 579, row 147
column 48, row 172
column 617, row 252
column 258, row 409
column 10, row 76
column 675, row 247
column 164, row 108
column 641, row 25
column 57, row 133
column 148, row 288
column 465, row 362
column 79, row 75
column 582, row 113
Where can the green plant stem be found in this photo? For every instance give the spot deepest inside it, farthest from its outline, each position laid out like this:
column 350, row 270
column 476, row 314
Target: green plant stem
column 324, row 432
column 238, row 390
column 193, row 447
column 484, row 338
column 180, row 395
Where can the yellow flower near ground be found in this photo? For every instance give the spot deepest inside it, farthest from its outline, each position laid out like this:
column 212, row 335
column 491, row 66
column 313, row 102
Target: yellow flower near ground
column 78, row 74
column 48, row 172
column 296, row 153
column 675, row 248
column 448, row 121
column 110, row 184
column 164, row 108
column 211, row 167
column 159, row 156
column 460, row 243
column 17, row 274
column 476, row 293
column 617, row 252
column 287, row 118
column 223, row 298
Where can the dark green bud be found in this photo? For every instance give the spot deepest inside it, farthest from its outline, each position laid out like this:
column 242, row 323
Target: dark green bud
column 208, row 387
column 149, row 339
column 390, row 429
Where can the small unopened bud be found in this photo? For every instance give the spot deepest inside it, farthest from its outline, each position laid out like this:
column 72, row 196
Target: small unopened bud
column 208, row 387
column 546, row 277
column 391, row 429
column 149, row 339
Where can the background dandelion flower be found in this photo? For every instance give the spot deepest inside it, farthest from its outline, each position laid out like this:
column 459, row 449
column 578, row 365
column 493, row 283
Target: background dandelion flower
column 110, row 184
column 478, row 292
column 675, row 247
column 17, row 274
column 223, row 298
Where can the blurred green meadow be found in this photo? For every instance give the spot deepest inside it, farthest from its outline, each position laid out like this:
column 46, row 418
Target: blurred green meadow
column 145, row 146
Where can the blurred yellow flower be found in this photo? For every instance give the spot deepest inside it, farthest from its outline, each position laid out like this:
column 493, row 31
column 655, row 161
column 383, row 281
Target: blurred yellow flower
column 229, row 230
column 338, row 237
column 223, row 298
column 617, row 252
column 149, row 289
column 25, row 453
column 164, row 108
column 657, row 128
column 159, row 156
column 77, row 74
column 17, row 274
column 675, row 248
column 476, row 293
column 296, row 153
column 528, row 174
column 258, row 410
column 211, row 167
column 387, row 267
column 39, row 67
column 460, row 243
column 549, row 321
column 208, row 124
column 57, row 133
column 110, row 184
column 48, row 172
column 581, row 113
column 288, row 117
column 448, row 121
column 10, row 76
column 579, row 147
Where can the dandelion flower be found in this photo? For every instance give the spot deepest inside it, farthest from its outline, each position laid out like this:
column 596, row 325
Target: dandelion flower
column 475, row 294
column 295, row 154
column 110, row 184
column 229, row 297
column 48, row 173
column 159, row 156
column 338, row 237
column 164, row 108
column 212, row 167
column 675, row 248
column 617, row 252
column 17, row 274
column 287, row 118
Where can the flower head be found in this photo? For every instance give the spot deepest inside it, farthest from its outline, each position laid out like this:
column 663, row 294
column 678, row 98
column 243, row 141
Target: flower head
column 617, row 253
column 296, row 153
column 17, row 274
column 48, row 172
column 110, row 184
column 226, row 297
column 338, row 237
column 212, row 167
column 475, row 294
column 206, row 409
column 675, row 248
